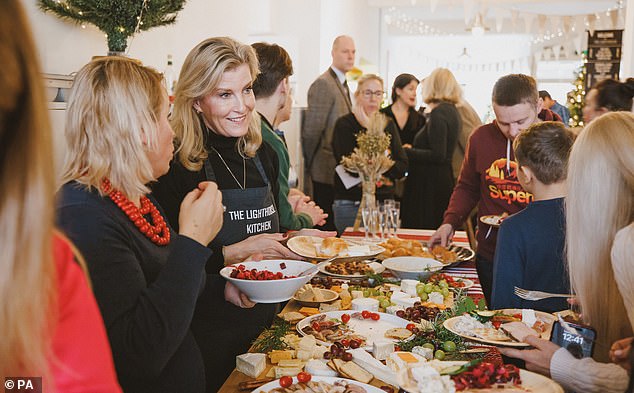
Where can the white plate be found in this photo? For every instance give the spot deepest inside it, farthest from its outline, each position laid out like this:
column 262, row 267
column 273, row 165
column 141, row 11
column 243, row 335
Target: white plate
column 276, row 384
column 329, row 296
column 377, row 267
column 450, row 324
column 531, row 382
column 467, row 284
column 493, row 220
column 305, row 247
column 370, row 329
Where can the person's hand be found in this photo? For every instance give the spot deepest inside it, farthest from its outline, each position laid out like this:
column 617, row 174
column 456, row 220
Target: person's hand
column 296, row 191
column 315, row 212
column 237, row 298
column 407, row 146
column 360, row 115
column 268, row 244
column 620, row 352
column 313, row 232
column 443, row 235
column 200, row 216
column 537, row 359
column 295, row 200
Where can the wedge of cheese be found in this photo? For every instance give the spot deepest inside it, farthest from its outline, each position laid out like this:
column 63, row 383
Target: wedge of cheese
column 277, row 355
column 284, row 371
column 308, row 311
column 251, row 364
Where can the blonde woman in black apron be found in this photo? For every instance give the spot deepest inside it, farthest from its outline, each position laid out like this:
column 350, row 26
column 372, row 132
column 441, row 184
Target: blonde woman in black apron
column 218, row 137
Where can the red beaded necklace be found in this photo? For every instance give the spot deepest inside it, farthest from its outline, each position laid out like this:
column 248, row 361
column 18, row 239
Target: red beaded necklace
column 158, row 233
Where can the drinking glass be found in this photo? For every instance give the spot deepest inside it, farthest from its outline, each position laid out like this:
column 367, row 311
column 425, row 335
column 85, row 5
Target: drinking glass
column 383, row 215
column 395, row 217
column 366, row 214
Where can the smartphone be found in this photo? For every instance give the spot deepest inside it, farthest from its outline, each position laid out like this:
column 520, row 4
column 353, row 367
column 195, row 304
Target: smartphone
column 579, row 344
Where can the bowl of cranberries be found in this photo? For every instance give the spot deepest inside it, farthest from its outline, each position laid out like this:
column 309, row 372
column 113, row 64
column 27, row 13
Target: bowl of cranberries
column 271, row 281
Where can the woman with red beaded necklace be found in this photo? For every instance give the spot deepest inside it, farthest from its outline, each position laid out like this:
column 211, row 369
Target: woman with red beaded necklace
column 146, row 278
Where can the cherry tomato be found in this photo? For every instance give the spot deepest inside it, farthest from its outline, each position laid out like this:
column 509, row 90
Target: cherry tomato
column 410, row 327
column 518, row 316
column 315, row 326
column 345, row 318
column 303, row 377
column 496, row 324
column 286, row 381
column 345, row 342
column 365, row 314
column 375, row 316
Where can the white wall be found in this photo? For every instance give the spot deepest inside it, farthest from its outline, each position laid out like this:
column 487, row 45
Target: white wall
column 477, row 73
column 305, row 28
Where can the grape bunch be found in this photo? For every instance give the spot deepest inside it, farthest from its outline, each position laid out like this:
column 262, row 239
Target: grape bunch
column 418, row 312
column 338, row 349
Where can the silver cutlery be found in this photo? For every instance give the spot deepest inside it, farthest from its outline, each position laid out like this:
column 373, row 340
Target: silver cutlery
column 538, row 295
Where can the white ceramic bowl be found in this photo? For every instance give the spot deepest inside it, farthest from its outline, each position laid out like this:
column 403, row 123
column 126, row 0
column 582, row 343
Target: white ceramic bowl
column 271, row 291
column 413, row 268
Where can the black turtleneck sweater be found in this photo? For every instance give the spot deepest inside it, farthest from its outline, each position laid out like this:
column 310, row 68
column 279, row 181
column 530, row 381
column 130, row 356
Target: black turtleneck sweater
column 173, row 186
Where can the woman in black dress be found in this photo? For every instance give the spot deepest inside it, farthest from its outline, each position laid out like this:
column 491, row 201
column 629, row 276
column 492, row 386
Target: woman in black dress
column 402, row 111
column 368, row 97
column 218, row 139
column 430, row 180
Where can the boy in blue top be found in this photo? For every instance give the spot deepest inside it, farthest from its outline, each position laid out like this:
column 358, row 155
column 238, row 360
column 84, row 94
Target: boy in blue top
column 530, row 247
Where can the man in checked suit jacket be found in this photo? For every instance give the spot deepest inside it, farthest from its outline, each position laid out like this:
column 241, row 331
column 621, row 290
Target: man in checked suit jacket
column 328, row 99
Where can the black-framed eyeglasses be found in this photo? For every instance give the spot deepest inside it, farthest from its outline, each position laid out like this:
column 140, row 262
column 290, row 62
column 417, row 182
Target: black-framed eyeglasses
column 370, row 93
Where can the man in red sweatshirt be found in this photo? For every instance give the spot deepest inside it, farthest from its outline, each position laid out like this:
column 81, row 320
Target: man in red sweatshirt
column 488, row 177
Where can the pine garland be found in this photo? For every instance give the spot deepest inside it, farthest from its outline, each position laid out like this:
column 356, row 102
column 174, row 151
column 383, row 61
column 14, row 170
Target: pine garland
column 119, row 19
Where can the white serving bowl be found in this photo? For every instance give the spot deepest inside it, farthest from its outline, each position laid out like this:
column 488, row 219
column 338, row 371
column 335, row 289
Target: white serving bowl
column 412, row 268
column 271, row 291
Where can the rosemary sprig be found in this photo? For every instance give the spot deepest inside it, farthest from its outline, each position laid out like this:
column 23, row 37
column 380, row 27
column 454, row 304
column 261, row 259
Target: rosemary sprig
column 271, row 338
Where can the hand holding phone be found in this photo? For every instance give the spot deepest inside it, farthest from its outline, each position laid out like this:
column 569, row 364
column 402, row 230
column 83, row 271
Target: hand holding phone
column 577, row 339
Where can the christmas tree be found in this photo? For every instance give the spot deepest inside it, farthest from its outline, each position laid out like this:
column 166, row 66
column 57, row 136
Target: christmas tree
column 119, row 19
column 577, row 97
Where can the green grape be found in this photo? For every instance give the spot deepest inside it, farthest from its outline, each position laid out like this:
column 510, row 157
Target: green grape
column 420, row 290
column 384, row 303
column 449, row 346
column 429, row 345
column 443, row 284
column 445, row 292
column 439, row 354
column 423, row 296
column 366, row 293
column 428, row 288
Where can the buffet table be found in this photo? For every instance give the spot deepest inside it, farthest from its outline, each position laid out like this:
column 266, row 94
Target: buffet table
column 464, row 270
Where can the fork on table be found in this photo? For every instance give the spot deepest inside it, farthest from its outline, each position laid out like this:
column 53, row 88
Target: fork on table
column 537, row 295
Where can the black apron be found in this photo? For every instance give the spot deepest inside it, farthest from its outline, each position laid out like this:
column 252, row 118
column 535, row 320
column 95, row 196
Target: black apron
column 223, row 330
column 249, row 212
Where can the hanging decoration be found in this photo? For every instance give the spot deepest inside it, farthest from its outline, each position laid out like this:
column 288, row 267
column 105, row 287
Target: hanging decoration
column 118, row 19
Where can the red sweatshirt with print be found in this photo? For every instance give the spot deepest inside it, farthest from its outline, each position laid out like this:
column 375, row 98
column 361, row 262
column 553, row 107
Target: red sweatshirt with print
column 487, row 181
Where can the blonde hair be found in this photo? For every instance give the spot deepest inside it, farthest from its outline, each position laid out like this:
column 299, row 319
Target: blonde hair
column 366, row 78
column 600, row 202
column 439, row 86
column 200, row 76
column 111, row 122
column 28, row 307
